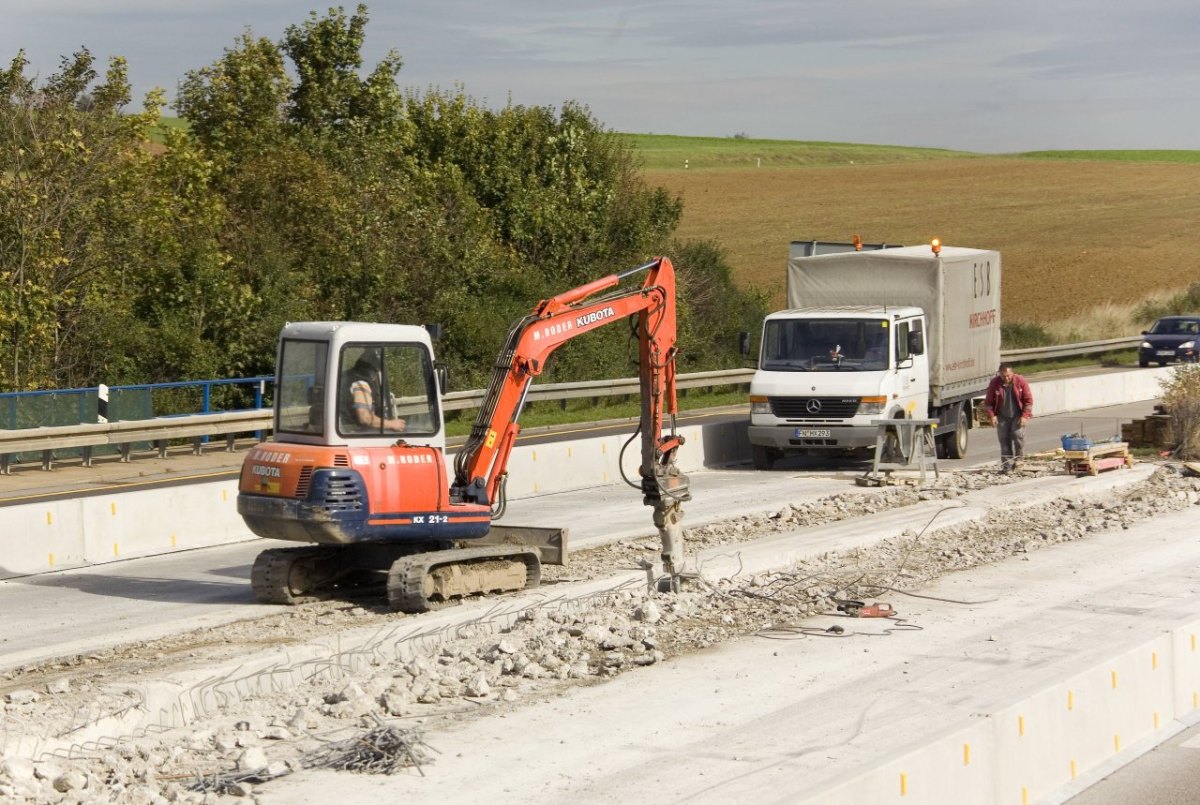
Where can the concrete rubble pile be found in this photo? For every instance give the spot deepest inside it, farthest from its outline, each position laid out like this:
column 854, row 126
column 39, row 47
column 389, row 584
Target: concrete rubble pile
column 549, row 648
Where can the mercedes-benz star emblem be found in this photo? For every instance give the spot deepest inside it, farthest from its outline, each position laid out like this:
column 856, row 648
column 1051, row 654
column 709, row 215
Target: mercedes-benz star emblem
column 813, row 406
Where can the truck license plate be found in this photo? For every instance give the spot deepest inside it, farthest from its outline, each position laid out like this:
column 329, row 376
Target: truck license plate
column 1166, row 352
column 813, row 433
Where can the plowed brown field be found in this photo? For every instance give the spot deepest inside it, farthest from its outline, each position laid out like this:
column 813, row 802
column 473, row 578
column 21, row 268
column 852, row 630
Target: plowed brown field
column 1072, row 234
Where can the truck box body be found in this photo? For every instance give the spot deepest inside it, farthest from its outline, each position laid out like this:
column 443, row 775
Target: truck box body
column 959, row 290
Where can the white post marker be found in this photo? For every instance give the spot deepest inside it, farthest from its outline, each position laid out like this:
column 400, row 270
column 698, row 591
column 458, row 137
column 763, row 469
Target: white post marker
column 102, row 404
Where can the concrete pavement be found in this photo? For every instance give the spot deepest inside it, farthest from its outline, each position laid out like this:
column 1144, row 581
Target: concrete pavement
column 1002, row 684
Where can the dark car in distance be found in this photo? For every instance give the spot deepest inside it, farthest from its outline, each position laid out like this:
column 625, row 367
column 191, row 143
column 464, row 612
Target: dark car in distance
column 1172, row 338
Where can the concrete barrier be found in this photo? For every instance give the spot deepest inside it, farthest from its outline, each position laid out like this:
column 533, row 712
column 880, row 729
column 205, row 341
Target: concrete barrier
column 59, row 534
column 1050, row 745
column 1088, row 391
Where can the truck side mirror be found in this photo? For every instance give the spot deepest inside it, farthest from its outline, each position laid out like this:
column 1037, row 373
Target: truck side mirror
column 443, row 376
column 744, row 343
column 434, row 330
column 915, row 343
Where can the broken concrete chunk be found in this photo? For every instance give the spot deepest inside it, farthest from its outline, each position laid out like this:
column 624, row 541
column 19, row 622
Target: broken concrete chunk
column 478, row 686
column 72, row 780
column 252, row 759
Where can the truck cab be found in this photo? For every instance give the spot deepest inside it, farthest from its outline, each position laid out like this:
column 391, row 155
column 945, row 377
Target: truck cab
column 825, row 374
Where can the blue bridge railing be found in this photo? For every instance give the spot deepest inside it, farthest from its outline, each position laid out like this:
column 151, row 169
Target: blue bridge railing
column 56, row 407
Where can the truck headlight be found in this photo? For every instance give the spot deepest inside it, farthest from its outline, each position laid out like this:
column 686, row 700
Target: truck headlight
column 1146, row 345
column 871, row 405
column 760, row 404
column 1188, row 345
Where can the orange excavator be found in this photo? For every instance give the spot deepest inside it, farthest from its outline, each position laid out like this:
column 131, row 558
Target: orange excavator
column 357, row 464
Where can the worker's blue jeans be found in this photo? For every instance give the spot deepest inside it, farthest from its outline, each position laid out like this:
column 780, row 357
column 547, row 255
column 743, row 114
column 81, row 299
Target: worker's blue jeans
column 1012, row 440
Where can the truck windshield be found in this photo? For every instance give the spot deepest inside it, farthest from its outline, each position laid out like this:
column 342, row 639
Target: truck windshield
column 825, row 345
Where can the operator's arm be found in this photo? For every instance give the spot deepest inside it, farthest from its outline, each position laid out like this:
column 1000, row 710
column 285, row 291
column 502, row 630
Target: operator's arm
column 364, row 414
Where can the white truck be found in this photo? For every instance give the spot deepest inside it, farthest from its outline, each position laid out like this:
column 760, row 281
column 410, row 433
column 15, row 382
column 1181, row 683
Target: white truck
column 884, row 332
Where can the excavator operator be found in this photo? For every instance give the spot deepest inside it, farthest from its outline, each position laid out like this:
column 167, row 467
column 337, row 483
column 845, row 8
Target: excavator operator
column 364, row 396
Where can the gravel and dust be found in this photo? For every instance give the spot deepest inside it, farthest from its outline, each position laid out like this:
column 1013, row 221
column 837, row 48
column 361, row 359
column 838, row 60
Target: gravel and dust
column 374, row 719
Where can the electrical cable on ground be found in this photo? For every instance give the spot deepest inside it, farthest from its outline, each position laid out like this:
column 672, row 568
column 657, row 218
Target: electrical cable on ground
column 796, row 631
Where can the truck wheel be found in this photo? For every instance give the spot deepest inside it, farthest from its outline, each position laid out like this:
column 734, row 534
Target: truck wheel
column 1143, row 363
column 764, row 457
column 956, row 442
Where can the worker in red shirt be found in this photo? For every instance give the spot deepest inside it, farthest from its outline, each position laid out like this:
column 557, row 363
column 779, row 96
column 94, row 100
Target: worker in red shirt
column 1009, row 405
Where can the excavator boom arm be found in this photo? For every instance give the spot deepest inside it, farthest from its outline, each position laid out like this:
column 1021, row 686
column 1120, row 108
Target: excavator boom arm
column 480, row 466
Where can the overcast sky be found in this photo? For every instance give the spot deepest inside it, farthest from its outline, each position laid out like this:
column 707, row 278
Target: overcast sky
column 989, row 75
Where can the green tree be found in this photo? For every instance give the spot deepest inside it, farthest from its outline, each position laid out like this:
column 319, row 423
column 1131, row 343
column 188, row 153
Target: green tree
column 236, row 107
column 69, row 160
column 713, row 311
column 329, row 96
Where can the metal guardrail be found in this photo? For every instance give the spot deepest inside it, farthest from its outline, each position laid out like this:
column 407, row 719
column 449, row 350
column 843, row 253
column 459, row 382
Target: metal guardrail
column 124, row 435
column 230, row 424
column 1071, row 350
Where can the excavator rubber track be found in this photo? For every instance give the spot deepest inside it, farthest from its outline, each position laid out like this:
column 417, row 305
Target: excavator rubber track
column 290, row 575
column 427, row 581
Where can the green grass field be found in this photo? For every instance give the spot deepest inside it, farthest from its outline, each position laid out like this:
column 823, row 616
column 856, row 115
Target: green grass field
column 669, row 152
column 1119, row 156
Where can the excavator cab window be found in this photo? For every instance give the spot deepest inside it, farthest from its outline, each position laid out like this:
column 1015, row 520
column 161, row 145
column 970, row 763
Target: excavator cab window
column 300, row 390
column 400, row 387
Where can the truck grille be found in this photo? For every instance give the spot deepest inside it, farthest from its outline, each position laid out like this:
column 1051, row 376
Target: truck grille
column 814, row 408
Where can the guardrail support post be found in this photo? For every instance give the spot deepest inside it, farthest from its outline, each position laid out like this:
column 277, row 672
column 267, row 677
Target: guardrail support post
column 47, row 460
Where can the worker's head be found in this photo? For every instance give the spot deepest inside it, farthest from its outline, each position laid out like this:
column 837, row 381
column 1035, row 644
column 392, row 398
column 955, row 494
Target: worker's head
column 1006, row 373
column 368, row 361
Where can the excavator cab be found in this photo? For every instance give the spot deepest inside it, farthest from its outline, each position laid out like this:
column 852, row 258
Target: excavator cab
column 319, row 365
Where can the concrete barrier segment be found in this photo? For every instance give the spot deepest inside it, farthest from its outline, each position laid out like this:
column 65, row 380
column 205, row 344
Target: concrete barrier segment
column 46, row 536
column 1076, row 393
column 1051, row 744
column 956, row 765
